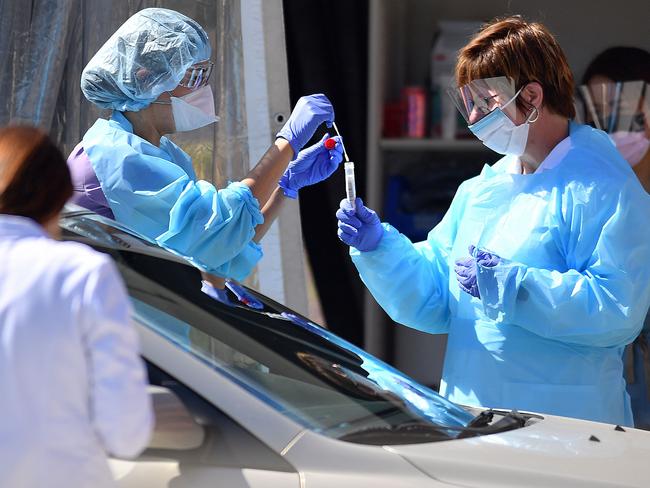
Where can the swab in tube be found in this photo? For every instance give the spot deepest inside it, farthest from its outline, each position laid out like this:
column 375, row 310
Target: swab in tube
column 350, row 187
column 345, row 153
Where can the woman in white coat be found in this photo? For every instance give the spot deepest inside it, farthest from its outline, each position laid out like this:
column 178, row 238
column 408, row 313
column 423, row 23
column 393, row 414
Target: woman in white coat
column 72, row 385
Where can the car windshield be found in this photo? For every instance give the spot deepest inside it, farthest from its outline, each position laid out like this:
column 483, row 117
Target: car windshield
column 315, row 377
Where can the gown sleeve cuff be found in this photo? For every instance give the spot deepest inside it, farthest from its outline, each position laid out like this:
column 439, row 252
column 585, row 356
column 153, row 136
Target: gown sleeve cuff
column 389, row 240
column 239, row 190
column 242, row 265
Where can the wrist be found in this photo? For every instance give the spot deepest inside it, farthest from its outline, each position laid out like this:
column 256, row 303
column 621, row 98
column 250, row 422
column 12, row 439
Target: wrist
column 284, row 146
column 280, row 192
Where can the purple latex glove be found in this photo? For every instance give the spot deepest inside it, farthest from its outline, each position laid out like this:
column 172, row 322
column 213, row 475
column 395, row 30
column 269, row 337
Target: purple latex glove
column 219, row 294
column 296, row 319
column 465, row 269
column 312, row 165
column 243, row 296
column 310, row 112
column 360, row 228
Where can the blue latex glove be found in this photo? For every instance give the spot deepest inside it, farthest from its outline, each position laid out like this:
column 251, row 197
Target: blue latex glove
column 310, row 112
column 465, row 269
column 484, row 258
column 312, row 165
column 219, row 294
column 296, row 319
column 360, row 228
column 243, row 296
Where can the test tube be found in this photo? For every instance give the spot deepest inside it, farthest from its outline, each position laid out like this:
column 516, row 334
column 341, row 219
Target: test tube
column 350, row 187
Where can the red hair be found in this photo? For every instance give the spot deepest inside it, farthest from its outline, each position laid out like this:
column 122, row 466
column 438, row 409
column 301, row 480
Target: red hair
column 524, row 52
column 34, row 177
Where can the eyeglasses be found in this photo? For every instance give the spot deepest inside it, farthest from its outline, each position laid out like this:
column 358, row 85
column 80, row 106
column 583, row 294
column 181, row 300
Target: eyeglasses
column 197, row 76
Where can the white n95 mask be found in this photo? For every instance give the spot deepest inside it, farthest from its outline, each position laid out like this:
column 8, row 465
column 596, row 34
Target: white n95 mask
column 500, row 134
column 194, row 110
column 632, row 145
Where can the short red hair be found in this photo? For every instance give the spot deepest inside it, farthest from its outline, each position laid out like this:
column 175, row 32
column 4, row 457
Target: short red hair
column 524, row 52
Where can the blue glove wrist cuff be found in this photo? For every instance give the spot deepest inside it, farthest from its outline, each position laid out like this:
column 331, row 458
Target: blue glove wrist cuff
column 288, row 192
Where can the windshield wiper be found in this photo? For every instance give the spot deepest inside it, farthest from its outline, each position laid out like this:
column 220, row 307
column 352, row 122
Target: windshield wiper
column 478, row 426
column 481, row 420
column 482, row 423
column 404, row 432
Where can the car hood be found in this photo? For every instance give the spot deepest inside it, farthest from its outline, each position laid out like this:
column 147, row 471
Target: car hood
column 555, row 451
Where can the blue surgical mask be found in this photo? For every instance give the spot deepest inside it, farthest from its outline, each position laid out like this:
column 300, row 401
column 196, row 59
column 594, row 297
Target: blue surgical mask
column 500, row 134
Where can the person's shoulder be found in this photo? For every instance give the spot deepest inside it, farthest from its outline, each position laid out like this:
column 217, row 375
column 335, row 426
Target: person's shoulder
column 77, row 259
column 63, row 267
column 488, row 172
column 110, row 137
column 595, row 171
column 596, row 147
column 110, row 143
column 593, row 158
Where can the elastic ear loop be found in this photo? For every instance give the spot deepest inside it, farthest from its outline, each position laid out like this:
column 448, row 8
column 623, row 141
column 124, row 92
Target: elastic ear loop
column 536, row 111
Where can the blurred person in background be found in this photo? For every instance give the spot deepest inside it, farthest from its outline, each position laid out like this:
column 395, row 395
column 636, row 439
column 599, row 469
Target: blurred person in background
column 628, row 68
column 72, row 385
column 153, row 74
column 539, row 270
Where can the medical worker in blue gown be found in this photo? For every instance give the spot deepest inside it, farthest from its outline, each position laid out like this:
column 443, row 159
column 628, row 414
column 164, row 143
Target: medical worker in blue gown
column 153, row 74
column 540, row 270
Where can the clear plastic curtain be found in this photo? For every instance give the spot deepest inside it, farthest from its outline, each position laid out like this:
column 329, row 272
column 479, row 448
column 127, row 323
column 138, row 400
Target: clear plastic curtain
column 34, row 41
column 45, row 44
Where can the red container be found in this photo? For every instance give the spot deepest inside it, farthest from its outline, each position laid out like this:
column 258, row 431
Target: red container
column 415, row 105
column 393, row 119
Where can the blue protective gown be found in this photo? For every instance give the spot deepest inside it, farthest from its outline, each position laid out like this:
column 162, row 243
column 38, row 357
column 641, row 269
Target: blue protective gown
column 573, row 288
column 154, row 191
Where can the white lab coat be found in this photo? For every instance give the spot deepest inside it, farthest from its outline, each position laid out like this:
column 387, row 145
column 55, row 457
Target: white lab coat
column 72, row 386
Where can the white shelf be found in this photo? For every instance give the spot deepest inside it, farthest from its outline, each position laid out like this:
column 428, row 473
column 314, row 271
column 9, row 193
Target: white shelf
column 429, row 144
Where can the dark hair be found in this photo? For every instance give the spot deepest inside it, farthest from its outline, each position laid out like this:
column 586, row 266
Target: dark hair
column 34, row 177
column 620, row 64
column 524, row 52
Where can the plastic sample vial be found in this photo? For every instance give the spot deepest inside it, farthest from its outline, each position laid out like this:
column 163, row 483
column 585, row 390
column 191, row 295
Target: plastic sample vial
column 350, row 187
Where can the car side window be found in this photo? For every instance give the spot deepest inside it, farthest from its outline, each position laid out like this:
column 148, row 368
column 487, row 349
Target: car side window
column 225, row 442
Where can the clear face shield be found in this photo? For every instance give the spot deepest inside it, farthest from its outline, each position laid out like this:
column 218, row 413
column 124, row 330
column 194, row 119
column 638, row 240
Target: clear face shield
column 479, row 98
column 615, row 106
column 622, row 109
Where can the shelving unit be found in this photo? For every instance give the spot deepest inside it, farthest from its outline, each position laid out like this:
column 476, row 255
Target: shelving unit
column 400, row 35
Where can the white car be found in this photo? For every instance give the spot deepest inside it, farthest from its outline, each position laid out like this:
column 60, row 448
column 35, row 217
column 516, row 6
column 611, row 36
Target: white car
column 263, row 398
